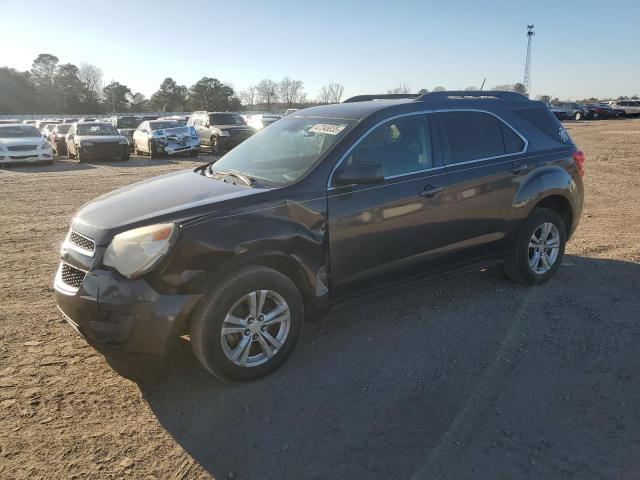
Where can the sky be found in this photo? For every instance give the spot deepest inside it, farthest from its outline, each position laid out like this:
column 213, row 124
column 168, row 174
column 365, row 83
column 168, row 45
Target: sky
column 581, row 49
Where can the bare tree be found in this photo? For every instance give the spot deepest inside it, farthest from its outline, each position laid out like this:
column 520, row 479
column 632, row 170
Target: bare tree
column 324, row 95
column 471, row 89
column 507, row 87
column 267, row 92
column 439, row 89
column 290, row 91
column 402, row 88
column 248, row 96
column 336, row 90
column 91, row 76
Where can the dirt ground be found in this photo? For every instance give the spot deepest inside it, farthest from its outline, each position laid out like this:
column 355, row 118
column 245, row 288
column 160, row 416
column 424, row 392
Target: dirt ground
column 471, row 377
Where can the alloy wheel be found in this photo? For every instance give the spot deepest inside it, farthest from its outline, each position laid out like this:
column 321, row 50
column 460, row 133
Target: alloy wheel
column 255, row 328
column 544, row 247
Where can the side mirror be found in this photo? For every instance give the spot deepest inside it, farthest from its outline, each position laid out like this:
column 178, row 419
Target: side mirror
column 360, row 174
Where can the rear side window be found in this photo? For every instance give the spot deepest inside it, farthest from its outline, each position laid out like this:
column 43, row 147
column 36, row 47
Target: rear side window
column 545, row 121
column 476, row 135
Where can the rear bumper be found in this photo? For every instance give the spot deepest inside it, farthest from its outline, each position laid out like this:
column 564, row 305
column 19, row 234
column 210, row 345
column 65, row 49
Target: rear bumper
column 126, row 316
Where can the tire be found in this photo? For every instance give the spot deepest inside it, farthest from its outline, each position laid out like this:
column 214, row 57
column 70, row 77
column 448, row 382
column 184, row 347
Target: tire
column 228, row 296
column 193, row 153
column 79, row 157
column 577, row 116
column 135, row 148
column 153, row 153
column 215, row 148
column 518, row 262
column 125, row 157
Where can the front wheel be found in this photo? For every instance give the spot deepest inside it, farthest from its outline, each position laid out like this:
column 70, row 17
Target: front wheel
column 153, row 151
column 539, row 249
column 578, row 116
column 215, row 147
column 79, row 157
column 248, row 325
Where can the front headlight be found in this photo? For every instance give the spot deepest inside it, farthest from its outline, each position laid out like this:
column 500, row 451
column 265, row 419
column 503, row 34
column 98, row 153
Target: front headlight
column 137, row 251
column 224, row 133
column 45, row 144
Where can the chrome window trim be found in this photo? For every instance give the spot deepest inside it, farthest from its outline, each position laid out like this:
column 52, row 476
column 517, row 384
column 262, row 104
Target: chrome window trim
column 422, row 112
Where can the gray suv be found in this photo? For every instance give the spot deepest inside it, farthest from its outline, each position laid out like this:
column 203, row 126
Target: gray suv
column 631, row 107
column 220, row 131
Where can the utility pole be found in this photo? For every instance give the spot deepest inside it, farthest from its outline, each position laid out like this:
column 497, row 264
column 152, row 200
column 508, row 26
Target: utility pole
column 527, row 65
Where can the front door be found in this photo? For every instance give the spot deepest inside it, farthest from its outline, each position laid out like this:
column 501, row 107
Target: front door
column 375, row 229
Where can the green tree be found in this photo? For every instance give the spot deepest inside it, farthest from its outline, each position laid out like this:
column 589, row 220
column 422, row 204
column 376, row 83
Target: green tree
column 139, row 103
column 170, row 97
column 520, row 88
column 68, row 88
column 17, row 93
column 116, row 97
column 43, row 72
column 210, row 94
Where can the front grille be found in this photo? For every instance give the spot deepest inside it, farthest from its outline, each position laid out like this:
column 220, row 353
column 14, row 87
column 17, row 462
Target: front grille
column 22, row 148
column 72, row 276
column 81, row 241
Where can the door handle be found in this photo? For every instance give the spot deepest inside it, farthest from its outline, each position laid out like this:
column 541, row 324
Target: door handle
column 431, row 190
column 518, row 168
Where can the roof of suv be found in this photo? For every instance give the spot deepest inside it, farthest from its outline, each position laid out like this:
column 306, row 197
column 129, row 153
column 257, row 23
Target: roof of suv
column 356, row 109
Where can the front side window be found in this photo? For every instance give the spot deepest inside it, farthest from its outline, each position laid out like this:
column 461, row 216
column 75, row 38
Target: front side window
column 287, row 150
column 401, row 146
column 477, row 135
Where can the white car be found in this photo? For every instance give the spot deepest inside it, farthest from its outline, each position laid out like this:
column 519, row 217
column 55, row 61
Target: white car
column 156, row 137
column 20, row 143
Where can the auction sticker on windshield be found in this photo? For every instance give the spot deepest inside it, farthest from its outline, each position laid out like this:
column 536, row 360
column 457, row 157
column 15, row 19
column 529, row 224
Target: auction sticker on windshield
column 327, row 128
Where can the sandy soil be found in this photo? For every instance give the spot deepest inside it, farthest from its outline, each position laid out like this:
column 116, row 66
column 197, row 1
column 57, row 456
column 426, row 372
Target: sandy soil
column 471, row 377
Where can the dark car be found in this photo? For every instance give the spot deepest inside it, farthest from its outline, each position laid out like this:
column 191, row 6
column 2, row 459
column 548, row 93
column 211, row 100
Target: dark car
column 603, row 111
column 219, row 132
column 96, row 140
column 126, row 125
column 574, row 111
column 321, row 207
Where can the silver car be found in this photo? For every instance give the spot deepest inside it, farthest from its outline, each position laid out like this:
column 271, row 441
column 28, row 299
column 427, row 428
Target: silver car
column 157, row 137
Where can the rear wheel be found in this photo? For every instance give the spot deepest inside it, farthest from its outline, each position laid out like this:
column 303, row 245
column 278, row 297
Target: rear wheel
column 135, row 148
column 153, row 151
column 125, row 156
column 215, row 148
column 577, row 116
column 539, row 249
column 248, row 325
column 80, row 157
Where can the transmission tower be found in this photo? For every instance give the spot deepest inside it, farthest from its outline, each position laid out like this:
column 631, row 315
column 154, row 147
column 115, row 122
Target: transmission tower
column 527, row 65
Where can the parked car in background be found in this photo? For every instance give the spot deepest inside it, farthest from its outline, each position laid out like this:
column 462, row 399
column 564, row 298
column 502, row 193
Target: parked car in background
column 126, row 125
column 69, row 120
column 339, row 201
column 40, row 124
column 219, row 132
column 20, row 143
column 603, row 111
column 144, row 118
column 183, row 119
column 262, row 120
column 631, row 108
column 574, row 110
column 560, row 113
column 29, row 122
column 9, row 121
column 158, row 137
column 289, row 111
column 96, row 140
column 58, row 137
column 87, row 119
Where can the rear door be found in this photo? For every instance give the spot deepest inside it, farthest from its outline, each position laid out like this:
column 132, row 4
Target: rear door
column 485, row 163
column 375, row 229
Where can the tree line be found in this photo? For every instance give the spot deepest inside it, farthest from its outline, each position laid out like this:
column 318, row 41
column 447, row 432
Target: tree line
column 52, row 87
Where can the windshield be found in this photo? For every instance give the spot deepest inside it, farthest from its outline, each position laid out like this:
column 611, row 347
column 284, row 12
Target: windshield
column 286, row 150
column 96, row 129
column 19, row 131
column 164, row 124
column 225, row 119
column 63, row 128
column 128, row 122
column 180, row 130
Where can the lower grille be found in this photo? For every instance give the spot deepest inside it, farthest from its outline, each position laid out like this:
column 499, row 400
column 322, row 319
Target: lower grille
column 22, row 148
column 72, row 276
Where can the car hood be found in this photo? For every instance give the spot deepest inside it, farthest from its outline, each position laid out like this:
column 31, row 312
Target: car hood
column 99, row 138
column 7, row 142
column 177, row 196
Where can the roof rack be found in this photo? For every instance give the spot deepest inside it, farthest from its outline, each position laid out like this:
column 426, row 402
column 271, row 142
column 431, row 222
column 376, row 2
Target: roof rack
column 381, row 96
column 446, row 95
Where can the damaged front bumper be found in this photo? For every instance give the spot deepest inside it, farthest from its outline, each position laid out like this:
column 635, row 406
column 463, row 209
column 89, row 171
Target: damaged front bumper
column 174, row 147
column 121, row 315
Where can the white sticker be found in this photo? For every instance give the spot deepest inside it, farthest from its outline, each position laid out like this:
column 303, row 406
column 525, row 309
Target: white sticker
column 327, row 128
column 564, row 135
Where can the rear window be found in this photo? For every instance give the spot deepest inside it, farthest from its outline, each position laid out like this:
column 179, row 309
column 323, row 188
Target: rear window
column 546, row 122
column 477, row 135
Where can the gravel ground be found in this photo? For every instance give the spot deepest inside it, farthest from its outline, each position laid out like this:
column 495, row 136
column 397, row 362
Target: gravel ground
column 470, row 377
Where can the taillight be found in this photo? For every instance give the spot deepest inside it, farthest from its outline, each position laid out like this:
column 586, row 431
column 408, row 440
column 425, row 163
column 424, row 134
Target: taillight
column 578, row 160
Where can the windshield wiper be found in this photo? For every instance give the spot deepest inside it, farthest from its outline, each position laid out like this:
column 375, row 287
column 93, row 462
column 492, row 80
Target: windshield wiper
column 246, row 179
